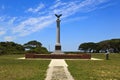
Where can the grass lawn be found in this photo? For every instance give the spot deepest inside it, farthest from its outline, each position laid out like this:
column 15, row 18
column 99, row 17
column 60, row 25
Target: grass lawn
column 96, row 70
column 13, row 69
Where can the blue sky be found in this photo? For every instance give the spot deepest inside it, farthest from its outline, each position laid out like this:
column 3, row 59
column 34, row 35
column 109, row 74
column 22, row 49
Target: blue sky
column 82, row 21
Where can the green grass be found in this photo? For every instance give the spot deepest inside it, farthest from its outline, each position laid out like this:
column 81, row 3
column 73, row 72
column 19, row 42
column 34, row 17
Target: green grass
column 13, row 69
column 96, row 70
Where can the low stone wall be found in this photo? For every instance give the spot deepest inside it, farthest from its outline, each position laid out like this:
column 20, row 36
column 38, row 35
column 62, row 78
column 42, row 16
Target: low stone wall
column 59, row 56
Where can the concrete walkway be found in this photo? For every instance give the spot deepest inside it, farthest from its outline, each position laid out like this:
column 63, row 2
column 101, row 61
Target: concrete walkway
column 96, row 59
column 58, row 70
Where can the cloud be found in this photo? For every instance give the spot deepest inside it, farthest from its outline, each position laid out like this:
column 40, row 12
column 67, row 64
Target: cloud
column 37, row 9
column 2, row 31
column 9, row 38
column 32, row 25
column 107, row 5
column 57, row 4
column 2, row 18
column 58, row 0
column 11, row 21
column 70, row 8
column 28, row 25
column 76, row 19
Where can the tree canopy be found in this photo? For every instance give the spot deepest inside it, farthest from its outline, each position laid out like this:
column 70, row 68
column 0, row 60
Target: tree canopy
column 35, row 47
column 11, row 48
column 32, row 44
column 14, row 48
column 112, row 45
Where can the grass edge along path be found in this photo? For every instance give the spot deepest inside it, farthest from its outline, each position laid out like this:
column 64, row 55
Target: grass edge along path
column 13, row 69
column 96, row 70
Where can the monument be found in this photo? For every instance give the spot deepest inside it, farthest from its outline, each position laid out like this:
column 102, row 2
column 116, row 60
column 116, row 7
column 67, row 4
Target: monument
column 58, row 45
column 58, row 54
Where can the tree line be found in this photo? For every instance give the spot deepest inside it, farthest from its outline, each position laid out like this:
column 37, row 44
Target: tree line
column 112, row 46
column 29, row 47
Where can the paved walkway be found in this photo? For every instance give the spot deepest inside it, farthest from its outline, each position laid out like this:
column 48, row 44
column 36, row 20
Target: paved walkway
column 96, row 59
column 58, row 70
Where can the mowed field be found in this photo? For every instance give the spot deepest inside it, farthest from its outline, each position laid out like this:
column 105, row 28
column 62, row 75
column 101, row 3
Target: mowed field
column 96, row 70
column 13, row 69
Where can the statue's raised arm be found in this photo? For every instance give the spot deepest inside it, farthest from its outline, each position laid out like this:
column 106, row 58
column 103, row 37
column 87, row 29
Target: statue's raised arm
column 58, row 16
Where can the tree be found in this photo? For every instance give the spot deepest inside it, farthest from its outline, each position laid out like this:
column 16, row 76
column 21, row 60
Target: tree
column 115, row 45
column 112, row 45
column 11, row 48
column 40, row 50
column 32, row 44
column 88, row 47
column 35, row 47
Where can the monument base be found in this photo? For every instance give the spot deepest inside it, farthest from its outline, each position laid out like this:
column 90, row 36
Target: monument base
column 57, row 47
column 58, row 56
column 57, row 52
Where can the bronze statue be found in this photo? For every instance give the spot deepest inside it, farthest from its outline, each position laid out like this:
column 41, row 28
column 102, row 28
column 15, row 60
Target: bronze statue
column 58, row 16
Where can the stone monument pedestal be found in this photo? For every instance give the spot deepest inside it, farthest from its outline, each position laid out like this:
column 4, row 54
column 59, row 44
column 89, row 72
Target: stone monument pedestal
column 57, row 52
column 58, row 47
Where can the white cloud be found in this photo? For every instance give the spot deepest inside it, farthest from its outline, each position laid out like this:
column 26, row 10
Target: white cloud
column 76, row 19
column 32, row 24
column 70, row 8
column 11, row 21
column 2, row 31
column 9, row 38
column 57, row 4
column 37, row 9
column 107, row 5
